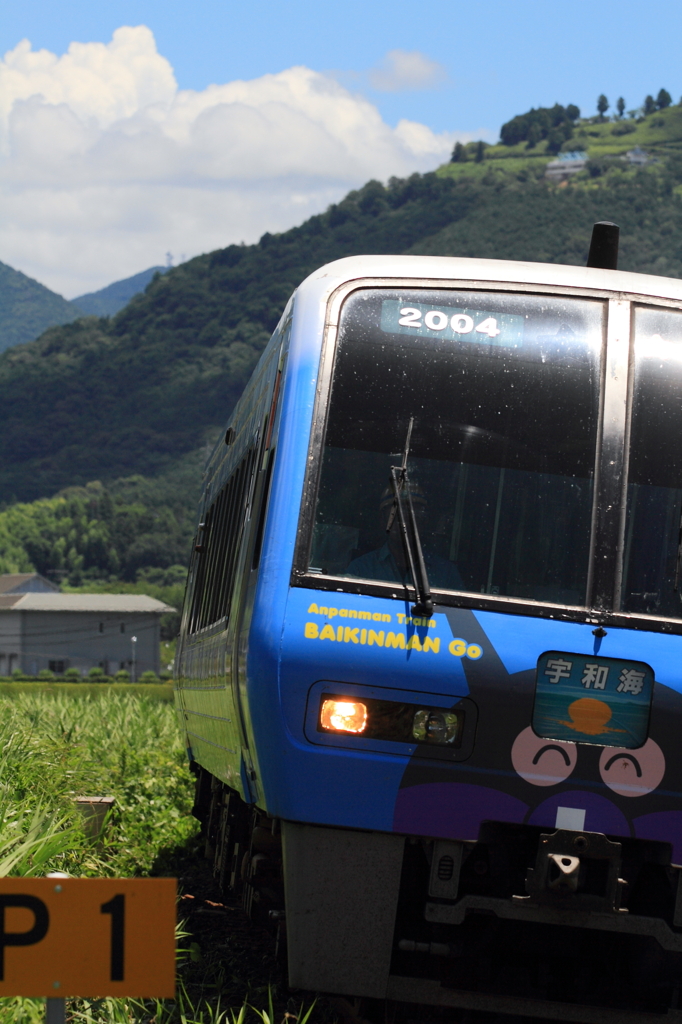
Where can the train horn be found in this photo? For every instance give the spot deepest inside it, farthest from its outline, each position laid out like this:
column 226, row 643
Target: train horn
column 604, row 246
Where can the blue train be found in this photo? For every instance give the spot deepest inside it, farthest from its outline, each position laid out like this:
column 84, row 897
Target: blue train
column 430, row 665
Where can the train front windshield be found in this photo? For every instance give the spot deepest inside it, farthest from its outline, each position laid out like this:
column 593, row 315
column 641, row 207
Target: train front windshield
column 652, row 571
column 504, row 392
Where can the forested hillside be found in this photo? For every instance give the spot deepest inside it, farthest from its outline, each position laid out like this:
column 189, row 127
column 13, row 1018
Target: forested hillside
column 146, row 391
column 537, row 221
column 100, row 399
column 27, row 308
column 110, row 300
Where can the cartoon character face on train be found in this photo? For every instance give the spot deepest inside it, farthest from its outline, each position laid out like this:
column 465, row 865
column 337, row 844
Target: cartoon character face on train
column 576, row 742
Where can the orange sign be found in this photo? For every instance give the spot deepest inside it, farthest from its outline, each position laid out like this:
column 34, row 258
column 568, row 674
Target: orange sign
column 87, row 937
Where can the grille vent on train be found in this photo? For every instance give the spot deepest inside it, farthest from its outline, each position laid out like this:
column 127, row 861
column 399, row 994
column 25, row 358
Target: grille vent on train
column 446, row 867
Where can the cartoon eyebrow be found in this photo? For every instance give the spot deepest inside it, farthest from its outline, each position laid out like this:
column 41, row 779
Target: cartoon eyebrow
column 554, row 746
column 617, row 757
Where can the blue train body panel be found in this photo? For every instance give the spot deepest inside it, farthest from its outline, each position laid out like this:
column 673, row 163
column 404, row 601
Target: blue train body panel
column 402, row 791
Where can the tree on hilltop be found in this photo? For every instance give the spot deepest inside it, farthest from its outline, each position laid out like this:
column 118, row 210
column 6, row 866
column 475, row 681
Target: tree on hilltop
column 620, row 106
column 664, row 99
column 556, row 139
column 459, row 154
column 534, row 136
column 649, row 106
column 479, row 152
column 602, row 105
column 538, row 124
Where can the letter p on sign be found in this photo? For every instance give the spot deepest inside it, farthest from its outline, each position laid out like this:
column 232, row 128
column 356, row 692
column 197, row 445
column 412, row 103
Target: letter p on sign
column 87, row 937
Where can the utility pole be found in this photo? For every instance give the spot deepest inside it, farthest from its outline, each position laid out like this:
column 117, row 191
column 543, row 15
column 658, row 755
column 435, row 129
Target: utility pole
column 133, row 642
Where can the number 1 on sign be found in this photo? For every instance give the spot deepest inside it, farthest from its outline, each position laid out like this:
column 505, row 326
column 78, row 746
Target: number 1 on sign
column 116, row 907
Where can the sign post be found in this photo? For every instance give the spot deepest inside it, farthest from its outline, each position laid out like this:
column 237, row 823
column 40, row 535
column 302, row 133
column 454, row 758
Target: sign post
column 55, row 1011
column 87, row 937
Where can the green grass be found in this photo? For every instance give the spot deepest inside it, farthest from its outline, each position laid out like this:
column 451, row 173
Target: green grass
column 503, row 166
column 152, row 691
column 132, row 1011
column 66, row 741
column 60, row 741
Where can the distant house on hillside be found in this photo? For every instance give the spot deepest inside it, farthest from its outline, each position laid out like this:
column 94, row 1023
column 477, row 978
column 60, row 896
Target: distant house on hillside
column 639, row 157
column 44, row 629
column 565, row 165
column 26, row 583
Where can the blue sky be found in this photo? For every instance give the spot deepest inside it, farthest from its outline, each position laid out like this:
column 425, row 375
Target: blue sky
column 136, row 128
column 500, row 57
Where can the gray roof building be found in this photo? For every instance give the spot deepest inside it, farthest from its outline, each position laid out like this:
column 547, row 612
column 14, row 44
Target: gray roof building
column 26, row 583
column 51, row 630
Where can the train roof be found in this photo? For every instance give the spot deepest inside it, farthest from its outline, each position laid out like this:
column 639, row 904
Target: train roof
column 314, row 292
column 477, row 271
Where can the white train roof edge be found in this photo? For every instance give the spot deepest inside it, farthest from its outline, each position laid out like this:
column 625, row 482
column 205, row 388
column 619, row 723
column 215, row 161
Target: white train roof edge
column 483, row 271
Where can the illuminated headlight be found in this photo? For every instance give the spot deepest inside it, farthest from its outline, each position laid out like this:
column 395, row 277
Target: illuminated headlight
column 390, row 720
column 339, row 715
column 435, row 727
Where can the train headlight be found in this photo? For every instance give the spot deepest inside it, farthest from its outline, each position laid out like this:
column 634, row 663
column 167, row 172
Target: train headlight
column 435, row 727
column 343, row 715
column 393, row 721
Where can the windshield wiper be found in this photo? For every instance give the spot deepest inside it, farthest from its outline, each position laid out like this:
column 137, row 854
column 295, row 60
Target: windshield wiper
column 400, row 483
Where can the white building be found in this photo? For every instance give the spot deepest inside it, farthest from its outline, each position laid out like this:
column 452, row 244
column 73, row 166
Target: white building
column 638, row 157
column 565, row 165
column 45, row 629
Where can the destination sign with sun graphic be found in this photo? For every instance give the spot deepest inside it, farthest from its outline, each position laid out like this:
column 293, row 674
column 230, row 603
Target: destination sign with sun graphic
column 587, row 699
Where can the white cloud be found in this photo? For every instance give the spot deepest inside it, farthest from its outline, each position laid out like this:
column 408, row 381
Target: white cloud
column 406, row 69
column 105, row 165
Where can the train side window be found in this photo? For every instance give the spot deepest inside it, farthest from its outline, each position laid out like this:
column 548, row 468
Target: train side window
column 265, row 495
column 218, row 547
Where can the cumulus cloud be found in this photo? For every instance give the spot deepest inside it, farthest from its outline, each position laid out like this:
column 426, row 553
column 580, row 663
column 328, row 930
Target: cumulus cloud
column 406, row 69
column 105, row 164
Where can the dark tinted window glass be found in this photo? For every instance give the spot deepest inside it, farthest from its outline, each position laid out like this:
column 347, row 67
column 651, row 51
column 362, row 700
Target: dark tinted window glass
column 218, row 543
column 504, row 394
column 655, row 475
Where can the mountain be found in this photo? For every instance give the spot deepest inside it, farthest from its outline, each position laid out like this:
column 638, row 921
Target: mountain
column 536, row 219
column 28, row 308
column 143, row 393
column 110, row 300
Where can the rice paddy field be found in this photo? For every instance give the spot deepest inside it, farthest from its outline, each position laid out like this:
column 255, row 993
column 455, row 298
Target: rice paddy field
column 58, row 743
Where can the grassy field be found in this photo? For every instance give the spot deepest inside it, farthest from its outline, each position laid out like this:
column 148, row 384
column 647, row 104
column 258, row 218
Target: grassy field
column 60, row 742
column 149, row 691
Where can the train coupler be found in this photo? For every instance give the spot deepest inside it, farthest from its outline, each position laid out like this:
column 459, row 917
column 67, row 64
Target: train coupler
column 580, row 869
